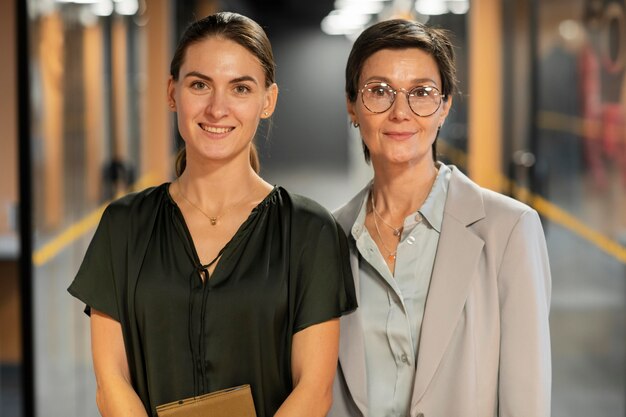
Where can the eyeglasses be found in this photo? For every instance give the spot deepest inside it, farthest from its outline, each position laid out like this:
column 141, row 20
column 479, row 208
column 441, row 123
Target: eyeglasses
column 378, row 97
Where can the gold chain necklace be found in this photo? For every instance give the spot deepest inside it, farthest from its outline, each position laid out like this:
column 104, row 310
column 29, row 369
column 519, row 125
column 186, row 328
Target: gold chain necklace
column 212, row 219
column 397, row 231
column 391, row 255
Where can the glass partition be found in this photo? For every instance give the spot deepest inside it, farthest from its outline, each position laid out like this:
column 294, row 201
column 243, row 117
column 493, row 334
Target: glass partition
column 580, row 171
column 99, row 128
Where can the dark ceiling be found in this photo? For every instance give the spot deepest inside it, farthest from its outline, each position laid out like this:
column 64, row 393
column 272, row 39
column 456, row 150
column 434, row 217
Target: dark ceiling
column 299, row 10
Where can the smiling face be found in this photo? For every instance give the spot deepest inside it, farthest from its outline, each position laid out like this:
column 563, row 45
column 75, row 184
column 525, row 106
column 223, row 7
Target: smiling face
column 219, row 97
column 399, row 136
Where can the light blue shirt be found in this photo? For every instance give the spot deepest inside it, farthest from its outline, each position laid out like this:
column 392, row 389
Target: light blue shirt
column 392, row 306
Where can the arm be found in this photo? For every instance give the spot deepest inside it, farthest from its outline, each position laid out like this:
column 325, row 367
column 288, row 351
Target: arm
column 524, row 287
column 313, row 364
column 115, row 395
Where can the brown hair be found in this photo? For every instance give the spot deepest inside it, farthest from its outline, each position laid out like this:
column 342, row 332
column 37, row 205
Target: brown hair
column 237, row 28
column 401, row 34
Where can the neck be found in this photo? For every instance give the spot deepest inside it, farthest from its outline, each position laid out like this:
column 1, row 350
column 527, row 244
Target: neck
column 401, row 190
column 216, row 184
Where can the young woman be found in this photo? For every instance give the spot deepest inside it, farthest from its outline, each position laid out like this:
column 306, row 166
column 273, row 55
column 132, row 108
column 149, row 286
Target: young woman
column 218, row 279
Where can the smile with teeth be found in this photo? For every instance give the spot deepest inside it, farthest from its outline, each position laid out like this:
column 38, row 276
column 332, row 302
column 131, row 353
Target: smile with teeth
column 213, row 129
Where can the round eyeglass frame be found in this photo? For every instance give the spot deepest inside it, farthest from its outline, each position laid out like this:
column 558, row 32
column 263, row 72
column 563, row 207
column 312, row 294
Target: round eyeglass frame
column 406, row 93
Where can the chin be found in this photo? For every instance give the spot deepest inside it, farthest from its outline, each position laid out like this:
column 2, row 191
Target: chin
column 411, row 159
column 401, row 158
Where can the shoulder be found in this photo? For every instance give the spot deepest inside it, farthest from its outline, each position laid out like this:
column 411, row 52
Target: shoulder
column 346, row 215
column 304, row 209
column 134, row 204
column 471, row 203
column 500, row 203
column 504, row 224
column 506, row 216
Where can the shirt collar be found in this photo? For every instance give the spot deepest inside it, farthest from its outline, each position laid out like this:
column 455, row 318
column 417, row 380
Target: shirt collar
column 431, row 210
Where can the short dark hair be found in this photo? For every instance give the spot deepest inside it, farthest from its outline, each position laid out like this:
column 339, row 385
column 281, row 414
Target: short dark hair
column 402, row 34
column 234, row 27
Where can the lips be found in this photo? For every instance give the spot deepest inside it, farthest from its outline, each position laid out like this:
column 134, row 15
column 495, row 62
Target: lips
column 399, row 135
column 215, row 129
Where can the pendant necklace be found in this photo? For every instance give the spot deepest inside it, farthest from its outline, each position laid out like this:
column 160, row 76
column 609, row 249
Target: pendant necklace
column 212, row 219
column 391, row 255
column 397, row 231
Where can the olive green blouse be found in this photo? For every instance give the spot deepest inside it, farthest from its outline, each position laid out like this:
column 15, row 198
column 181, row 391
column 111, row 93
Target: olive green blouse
column 286, row 268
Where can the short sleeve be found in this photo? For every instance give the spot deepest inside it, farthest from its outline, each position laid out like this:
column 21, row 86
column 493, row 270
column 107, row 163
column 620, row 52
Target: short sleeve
column 94, row 283
column 324, row 285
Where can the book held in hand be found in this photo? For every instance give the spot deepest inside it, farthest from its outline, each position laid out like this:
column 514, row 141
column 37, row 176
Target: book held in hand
column 229, row 402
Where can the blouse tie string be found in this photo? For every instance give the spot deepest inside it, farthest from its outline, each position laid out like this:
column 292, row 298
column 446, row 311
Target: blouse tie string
column 203, row 271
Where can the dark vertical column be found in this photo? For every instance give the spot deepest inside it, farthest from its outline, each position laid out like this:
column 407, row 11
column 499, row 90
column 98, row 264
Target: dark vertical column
column 508, row 42
column 533, row 131
column 108, row 168
column 26, row 210
column 133, row 163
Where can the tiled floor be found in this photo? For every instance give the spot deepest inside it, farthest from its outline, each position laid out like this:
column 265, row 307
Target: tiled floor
column 588, row 329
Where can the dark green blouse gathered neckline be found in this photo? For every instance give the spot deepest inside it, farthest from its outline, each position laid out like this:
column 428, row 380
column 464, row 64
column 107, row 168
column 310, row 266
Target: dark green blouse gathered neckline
column 286, row 268
column 238, row 236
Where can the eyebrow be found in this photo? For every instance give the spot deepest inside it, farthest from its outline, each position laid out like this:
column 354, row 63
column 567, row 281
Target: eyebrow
column 414, row 81
column 233, row 81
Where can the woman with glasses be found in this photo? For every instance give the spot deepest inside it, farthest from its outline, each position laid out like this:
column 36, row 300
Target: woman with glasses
column 217, row 279
column 452, row 280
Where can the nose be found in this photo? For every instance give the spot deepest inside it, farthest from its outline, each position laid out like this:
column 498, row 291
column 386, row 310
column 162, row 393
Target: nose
column 217, row 105
column 400, row 109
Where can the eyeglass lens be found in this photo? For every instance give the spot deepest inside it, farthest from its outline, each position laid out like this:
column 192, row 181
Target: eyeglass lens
column 423, row 100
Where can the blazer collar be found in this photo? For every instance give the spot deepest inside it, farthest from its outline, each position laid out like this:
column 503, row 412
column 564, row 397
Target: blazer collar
column 454, row 270
column 464, row 201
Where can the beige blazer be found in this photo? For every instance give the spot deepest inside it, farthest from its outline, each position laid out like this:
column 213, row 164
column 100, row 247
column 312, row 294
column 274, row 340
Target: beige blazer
column 485, row 343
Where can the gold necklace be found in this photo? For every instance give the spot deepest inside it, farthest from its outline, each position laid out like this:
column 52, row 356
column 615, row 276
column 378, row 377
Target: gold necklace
column 397, row 231
column 391, row 255
column 212, row 219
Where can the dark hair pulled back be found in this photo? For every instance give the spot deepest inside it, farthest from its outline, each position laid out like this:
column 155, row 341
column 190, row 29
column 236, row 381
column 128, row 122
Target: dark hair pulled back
column 237, row 28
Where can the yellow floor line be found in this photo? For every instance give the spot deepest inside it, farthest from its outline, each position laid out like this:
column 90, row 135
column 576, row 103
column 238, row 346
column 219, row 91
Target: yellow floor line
column 52, row 248
column 563, row 218
column 69, row 235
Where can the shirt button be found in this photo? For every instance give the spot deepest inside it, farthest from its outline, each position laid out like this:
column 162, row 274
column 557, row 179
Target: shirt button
column 404, row 358
column 410, row 240
column 418, row 217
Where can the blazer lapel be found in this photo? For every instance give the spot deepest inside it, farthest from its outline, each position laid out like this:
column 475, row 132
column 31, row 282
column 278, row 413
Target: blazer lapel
column 351, row 345
column 458, row 252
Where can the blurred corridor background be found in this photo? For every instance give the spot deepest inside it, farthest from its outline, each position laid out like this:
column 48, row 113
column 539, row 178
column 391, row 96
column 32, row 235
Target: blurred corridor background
column 84, row 117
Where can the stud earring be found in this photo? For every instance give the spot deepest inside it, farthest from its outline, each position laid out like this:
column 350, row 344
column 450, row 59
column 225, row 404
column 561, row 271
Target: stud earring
column 265, row 114
column 172, row 105
column 355, row 124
